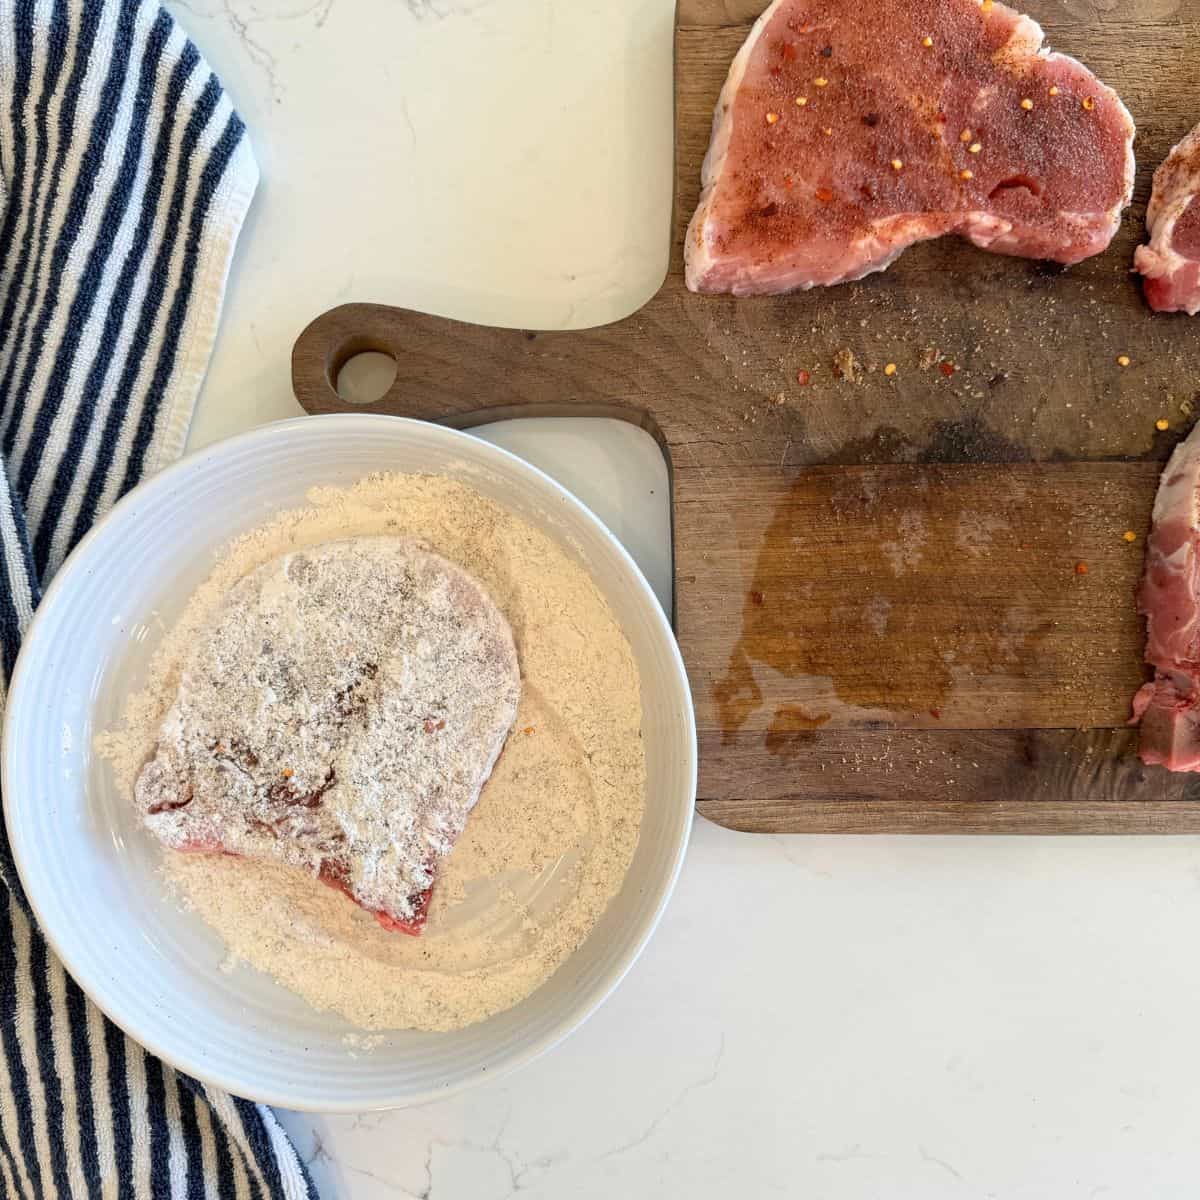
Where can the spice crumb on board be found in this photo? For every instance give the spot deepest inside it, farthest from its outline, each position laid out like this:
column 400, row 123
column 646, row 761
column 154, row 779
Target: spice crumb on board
column 554, row 831
column 846, row 366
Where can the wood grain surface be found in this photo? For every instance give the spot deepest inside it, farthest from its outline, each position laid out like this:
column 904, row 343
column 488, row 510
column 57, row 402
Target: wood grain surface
column 906, row 602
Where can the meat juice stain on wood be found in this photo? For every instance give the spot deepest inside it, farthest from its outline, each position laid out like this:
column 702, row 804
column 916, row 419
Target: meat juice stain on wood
column 1036, row 397
column 791, row 728
column 939, row 596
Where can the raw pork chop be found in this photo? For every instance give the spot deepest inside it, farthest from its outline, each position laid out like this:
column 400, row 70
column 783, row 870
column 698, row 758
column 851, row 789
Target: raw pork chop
column 340, row 713
column 849, row 129
column 1169, row 599
column 1170, row 264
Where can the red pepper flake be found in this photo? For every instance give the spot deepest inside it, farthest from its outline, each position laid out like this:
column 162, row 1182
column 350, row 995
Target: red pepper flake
column 757, row 599
column 947, row 368
column 432, row 726
column 288, row 772
column 527, row 730
column 823, row 194
column 1081, row 568
column 789, row 51
column 804, row 378
column 936, row 713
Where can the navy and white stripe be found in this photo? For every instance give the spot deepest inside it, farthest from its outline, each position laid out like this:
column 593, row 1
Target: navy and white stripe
column 125, row 175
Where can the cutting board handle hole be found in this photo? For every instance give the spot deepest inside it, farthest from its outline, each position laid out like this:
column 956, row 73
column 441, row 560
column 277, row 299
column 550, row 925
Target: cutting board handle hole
column 365, row 377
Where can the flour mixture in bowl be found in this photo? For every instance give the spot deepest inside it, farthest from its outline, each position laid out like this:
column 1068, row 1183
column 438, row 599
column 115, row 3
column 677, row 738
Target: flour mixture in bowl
column 287, row 692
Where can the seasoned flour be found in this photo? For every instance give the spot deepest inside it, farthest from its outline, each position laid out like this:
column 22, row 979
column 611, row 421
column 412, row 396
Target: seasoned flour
column 547, row 846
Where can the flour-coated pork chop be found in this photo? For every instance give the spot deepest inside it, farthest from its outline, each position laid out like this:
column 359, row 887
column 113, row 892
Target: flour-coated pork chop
column 340, row 713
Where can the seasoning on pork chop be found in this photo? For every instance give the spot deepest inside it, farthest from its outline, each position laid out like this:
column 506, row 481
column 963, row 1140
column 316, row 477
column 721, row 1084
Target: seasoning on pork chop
column 1170, row 264
column 850, row 129
column 341, row 713
column 1169, row 598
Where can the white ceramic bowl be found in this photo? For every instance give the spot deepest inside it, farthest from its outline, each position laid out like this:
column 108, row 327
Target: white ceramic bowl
column 89, row 869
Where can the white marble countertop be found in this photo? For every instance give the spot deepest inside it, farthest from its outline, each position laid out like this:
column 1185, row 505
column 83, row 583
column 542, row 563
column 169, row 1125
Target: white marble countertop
column 843, row 1018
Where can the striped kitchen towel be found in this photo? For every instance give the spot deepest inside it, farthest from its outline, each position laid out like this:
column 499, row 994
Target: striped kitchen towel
column 125, row 175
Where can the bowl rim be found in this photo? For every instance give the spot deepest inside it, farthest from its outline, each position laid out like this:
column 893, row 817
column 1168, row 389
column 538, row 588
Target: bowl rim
column 27, row 663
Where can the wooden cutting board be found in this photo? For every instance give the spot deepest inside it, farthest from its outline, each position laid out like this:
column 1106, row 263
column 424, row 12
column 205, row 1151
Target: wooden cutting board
column 905, row 603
